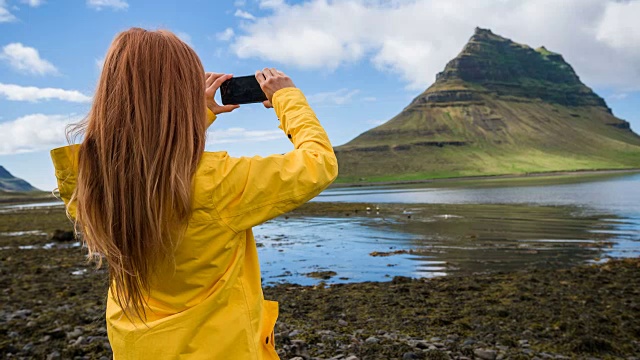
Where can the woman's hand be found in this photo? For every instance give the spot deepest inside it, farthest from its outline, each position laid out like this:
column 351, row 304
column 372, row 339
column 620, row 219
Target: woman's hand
column 272, row 80
column 212, row 84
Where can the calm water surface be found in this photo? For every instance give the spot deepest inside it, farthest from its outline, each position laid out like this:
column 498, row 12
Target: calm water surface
column 457, row 229
column 440, row 229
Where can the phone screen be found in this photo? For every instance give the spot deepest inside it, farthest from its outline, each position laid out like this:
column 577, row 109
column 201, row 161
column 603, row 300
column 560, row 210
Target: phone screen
column 241, row 90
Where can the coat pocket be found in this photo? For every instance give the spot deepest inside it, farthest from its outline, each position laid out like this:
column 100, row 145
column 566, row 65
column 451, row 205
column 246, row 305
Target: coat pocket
column 269, row 317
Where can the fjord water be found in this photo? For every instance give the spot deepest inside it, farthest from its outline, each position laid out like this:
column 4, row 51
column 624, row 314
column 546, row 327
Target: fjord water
column 457, row 228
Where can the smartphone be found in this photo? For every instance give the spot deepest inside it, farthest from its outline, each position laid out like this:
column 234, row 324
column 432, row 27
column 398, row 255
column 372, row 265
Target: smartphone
column 241, row 90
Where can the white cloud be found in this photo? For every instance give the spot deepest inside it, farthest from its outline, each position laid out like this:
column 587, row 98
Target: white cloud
column 26, row 59
column 338, row 97
column 34, row 94
column 620, row 26
column 241, row 135
column 415, row 38
column 114, row 4
column 33, row 3
column 34, row 132
column 5, row 14
column 225, row 35
column 270, row 4
column 239, row 3
column 244, row 15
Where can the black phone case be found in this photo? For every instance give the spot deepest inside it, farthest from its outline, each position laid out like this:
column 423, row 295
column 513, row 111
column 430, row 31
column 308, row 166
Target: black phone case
column 241, row 90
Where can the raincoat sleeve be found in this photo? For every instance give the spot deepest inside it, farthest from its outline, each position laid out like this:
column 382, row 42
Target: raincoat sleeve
column 211, row 117
column 65, row 162
column 257, row 189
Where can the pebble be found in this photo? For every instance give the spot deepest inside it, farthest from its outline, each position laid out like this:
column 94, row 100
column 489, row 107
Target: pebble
column 410, row 356
column 523, row 343
column 372, row 340
column 342, row 323
column 485, row 354
column 19, row 314
column 352, row 357
column 79, row 341
column 75, row 333
column 468, row 342
column 53, row 356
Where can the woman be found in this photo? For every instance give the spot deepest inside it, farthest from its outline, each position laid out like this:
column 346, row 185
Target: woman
column 172, row 221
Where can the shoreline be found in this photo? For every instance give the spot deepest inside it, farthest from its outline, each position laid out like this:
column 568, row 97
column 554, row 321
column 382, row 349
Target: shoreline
column 579, row 312
column 536, row 175
column 53, row 307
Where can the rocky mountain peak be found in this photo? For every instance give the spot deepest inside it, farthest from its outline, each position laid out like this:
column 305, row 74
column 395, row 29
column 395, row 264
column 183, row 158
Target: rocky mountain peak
column 496, row 64
column 4, row 174
column 11, row 183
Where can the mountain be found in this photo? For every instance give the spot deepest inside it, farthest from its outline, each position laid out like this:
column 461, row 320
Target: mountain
column 10, row 183
column 498, row 108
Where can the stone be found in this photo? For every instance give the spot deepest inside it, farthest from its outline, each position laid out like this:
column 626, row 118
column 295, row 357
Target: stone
column 74, row 334
column 57, row 333
column 485, row 354
column 410, row 356
column 342, row 323
column 468, row 342
column 79, row 341
column 372, row 340
column 20, row 314
column 62, row 236
column 53, row 355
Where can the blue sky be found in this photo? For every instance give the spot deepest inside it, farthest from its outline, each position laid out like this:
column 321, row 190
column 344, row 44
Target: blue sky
column 359, row 61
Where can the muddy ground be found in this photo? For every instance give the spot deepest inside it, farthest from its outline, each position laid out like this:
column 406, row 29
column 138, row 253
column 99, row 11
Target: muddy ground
column 52, row 307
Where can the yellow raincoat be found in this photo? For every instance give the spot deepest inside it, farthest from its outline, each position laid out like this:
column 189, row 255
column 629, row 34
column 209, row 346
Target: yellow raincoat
column 211, row 305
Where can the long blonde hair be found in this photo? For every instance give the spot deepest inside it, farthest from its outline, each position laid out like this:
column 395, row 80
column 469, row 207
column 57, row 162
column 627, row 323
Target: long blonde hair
column 143, row 139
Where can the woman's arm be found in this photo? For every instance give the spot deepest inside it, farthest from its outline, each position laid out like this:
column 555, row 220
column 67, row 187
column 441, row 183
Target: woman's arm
column 257, row 189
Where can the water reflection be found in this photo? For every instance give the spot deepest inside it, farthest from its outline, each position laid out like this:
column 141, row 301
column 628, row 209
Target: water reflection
column 439, row 240
column 458, row 230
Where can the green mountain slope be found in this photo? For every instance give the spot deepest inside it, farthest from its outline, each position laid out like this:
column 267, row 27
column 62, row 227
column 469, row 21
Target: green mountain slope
column 498, row 108
column 10, row 183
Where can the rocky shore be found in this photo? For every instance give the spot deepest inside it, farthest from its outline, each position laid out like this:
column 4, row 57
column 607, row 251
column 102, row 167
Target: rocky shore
column 52, row 307
column 582, row 312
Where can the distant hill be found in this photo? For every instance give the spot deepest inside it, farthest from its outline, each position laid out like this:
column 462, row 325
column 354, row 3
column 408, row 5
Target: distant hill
column 498, row 108
column 10, row 183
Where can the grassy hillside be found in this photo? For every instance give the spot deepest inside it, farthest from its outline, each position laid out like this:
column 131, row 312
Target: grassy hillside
column 493, row 138
column 489, row 114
